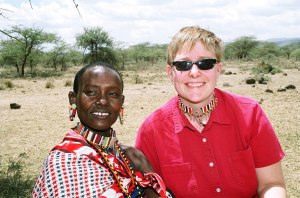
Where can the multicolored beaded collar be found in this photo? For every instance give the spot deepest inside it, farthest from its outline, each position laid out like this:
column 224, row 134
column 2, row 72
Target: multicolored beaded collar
column 105, row 142
column 202, row 111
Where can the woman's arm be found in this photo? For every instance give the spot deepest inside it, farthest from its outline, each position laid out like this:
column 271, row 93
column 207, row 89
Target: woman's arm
column 271, row 181
column 140, row 164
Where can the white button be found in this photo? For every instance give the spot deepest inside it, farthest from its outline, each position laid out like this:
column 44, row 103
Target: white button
column 211, row 164
column 204, row 140
column 218, row 190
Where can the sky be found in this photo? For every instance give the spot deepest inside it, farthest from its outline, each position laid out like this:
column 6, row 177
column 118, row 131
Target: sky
column 130, row 22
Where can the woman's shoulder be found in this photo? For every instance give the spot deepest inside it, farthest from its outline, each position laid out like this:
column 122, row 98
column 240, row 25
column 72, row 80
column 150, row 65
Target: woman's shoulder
column 236, row 98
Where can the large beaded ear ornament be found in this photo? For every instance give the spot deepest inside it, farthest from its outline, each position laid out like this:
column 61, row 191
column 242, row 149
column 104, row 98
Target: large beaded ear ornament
column 72, row 112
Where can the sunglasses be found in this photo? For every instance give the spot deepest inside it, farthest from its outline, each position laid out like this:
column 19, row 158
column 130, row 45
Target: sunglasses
column 204, row 64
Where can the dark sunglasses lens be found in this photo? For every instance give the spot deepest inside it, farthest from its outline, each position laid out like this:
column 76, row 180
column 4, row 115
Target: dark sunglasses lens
column 206, row 64
column 182, row 65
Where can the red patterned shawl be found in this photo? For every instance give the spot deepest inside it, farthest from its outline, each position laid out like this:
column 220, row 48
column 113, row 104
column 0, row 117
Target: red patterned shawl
column 74, row 169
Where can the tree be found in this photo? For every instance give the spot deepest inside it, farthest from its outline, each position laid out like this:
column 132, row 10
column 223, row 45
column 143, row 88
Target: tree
column 267, row 50
column 22, row 43
column 57, row 56
column 11, row 53
column 242, row 46
column 147, row 52
column 75, row 57
column 121, row 53
column 296, row 54
column 289, row 48
column 98, row 44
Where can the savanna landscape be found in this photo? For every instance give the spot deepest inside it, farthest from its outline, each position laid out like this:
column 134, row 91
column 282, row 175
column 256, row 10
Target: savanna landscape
column 42, row 120
column 34, row 85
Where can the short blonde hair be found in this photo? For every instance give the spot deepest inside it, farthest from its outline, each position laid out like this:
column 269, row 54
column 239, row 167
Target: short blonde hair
column 189, row 36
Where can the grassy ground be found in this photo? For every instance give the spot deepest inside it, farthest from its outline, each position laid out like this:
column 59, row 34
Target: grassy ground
column 42, row 120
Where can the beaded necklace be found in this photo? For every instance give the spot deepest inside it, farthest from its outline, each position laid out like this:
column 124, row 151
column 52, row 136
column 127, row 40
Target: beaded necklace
column 203, row 111
column 129, row 169
column 105, row 145
column 105, row 142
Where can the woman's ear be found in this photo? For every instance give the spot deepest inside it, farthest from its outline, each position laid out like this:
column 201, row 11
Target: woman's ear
column 72, row 97
column 219, row 70
column 170, row 73
column 219, row 67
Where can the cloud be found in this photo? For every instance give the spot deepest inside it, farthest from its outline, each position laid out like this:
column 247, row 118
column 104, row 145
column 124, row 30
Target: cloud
column 154, row 21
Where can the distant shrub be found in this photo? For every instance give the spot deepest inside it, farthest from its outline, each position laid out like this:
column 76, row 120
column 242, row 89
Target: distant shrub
column 265, row 68
column 137, row 79
column 9, row 84
column 49, row 85
column 45, row 74
column 262, row 78
column 68, row 83
column 2, row 87
column 13, row 181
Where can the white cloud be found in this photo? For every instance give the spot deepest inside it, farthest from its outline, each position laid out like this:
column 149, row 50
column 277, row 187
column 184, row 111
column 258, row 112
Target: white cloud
column 136, row 21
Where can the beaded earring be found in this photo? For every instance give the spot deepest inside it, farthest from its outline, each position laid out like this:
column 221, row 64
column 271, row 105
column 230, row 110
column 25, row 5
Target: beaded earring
column 72, row 111
column 121, row 115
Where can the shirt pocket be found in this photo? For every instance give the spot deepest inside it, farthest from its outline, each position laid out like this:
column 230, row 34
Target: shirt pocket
column 242, row 168
column 180, row 179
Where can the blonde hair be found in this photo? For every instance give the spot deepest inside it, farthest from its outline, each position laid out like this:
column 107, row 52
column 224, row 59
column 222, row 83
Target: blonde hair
column 189, row 36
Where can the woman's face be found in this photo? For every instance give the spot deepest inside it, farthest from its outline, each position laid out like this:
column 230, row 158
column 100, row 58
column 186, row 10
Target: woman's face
column 195, row 86
column 99, row 98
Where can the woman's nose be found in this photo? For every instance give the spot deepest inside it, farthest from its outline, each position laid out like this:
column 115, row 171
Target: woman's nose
column 195, row 71
column 101, row 101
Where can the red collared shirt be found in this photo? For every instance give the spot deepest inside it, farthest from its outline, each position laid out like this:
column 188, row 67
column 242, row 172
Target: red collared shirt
column 218, row 162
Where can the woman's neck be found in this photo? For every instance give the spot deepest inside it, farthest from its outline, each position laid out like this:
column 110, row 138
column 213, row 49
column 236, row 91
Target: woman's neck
column 97, row 138
column 198, row 105
column 104, row 132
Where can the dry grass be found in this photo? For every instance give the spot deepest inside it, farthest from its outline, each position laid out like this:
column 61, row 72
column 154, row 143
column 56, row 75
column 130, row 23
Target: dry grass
column 42, row 120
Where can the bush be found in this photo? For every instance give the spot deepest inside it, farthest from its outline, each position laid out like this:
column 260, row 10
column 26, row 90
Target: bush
column 13, row 181
column 265, row 68
column 262, row 78
column 137, row 79
column 49, row 85
column 44, row 74
column 9, row 84
column 68, row 83
column 2, row 87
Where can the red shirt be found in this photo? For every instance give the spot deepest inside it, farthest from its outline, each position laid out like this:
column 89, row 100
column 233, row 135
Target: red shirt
column 218, row 162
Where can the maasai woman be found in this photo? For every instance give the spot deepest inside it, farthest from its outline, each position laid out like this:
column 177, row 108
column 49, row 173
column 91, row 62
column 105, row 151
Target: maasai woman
column 90, row 162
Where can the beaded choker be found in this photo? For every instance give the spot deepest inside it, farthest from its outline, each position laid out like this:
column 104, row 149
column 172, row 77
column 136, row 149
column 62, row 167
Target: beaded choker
column 105, row 142
column 203, row 111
